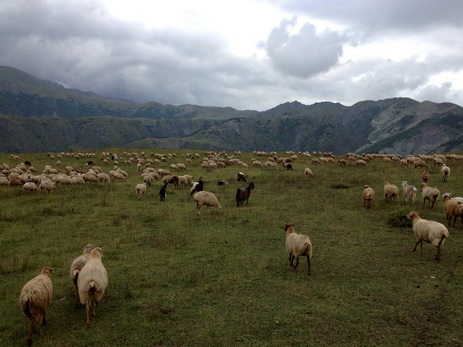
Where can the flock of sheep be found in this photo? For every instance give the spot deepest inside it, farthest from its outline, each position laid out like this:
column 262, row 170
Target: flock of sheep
column 88, row 276
column 87, row 272
column 424, row 230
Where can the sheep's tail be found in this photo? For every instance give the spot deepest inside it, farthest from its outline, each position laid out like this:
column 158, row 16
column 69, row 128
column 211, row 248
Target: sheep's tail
column 92, row 287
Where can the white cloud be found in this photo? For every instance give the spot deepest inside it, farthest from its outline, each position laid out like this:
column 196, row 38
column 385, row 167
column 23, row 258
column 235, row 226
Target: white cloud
column 244, row 54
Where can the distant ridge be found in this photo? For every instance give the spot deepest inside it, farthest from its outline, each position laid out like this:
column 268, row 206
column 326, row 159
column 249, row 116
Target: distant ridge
column 42, row 116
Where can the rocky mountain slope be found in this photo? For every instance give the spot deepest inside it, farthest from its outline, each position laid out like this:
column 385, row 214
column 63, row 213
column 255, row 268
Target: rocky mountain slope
column 37, row 115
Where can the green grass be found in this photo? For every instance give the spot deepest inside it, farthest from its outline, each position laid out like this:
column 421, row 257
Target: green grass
column 222, row 278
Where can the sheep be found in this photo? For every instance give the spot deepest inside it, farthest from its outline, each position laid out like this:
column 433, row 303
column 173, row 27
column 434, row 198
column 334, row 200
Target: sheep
column 241, row 177
column 242, row 195
column 92, row 282
column 425, row 176
column 196, row 187
column 205, row 198
column 4, row 181
column 445, row 171
column 35, row 298
column 297, row 245
column 77, row 265
column 171, row 179
column 430, row 194
column 140, row 189
column 409, row 192
column 30, row 187
column 428, row 231
column 308, row 172
column 390, row 191
column 47, row 185
column 162, row 192
column 453, row 207
column 368, row 196
column 222, row 183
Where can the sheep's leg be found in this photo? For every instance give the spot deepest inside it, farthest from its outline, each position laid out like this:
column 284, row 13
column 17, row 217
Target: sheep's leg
column 297, row 263
column 416, row 245
column 308, row 263
column 44, row 319
column 291, row 259
column 437, row 257
column 88, row 308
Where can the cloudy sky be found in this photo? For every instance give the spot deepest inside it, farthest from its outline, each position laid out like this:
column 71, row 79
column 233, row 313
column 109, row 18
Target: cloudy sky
column 246, row 54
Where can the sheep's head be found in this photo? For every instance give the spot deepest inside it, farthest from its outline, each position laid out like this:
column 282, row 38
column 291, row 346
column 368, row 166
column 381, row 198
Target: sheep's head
column 412, row 215
column 97, row 252
column 289, row 226
column 47, row 270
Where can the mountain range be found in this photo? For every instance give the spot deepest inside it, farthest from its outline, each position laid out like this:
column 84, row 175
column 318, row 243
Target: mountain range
column 42, row 116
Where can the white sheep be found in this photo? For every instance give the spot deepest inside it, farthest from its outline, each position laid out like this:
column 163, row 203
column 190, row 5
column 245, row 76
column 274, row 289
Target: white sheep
column 428, row 231
column 409, row 192
column 445, row 171
column 92, row 282
column 35, row 298
column 205, row 198
column 430, row 194
column 47, row 185
column 30, row 187
column 368, row 196
column 77, row 265
column 390, row 191
column 308, row 172
column 297, row 245
column 140, row 189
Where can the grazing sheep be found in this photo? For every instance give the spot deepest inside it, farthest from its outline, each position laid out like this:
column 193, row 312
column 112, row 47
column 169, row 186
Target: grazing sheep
column 241, row 177
column 390, row 191
column 77, row 265
column 242, row 195
column 196, row 187
column 34, row 299
column 171, row 179
column 30, row 187
column 288, row 166
column 445, row 171
column 92, row 282
column 205, row 198
column 453, row 207
column 162, row 192
column 368, row 196
column 428, row 231
column 47, row 185
column 308, row 172
column 409, row 192
column 430, row 194
column 222, row 183
column 361, row 162
column 297, row 245
column 140, row 189
column 425, row 176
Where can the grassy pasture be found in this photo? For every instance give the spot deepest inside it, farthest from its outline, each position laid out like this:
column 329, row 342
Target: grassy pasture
column 222, row 278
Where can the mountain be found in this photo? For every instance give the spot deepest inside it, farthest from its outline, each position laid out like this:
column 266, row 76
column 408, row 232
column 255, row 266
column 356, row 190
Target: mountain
column 41, row 116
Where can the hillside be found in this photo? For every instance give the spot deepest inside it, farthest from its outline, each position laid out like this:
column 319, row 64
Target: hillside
column 37, row 115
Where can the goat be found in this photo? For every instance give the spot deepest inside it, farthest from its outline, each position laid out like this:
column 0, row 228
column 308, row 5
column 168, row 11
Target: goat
column 242, row 195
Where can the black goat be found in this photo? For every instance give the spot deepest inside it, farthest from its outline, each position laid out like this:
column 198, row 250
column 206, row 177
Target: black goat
column 162, row 192
column 242, row 195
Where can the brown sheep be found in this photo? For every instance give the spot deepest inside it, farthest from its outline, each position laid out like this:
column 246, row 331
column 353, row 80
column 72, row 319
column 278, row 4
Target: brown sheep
column 368, row 196
column 35, row 297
